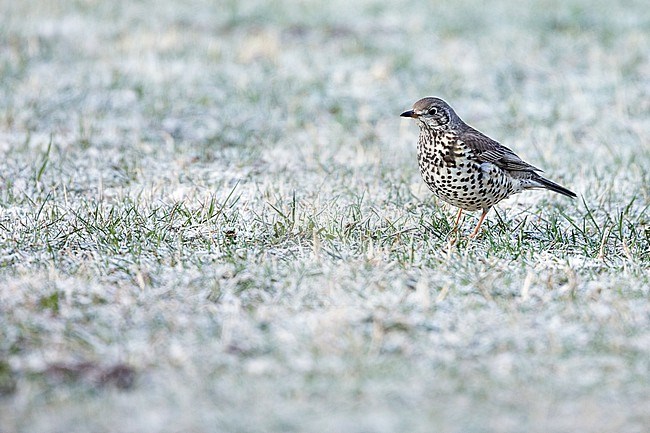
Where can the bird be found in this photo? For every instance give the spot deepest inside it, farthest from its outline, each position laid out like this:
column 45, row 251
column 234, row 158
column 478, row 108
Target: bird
column 466, row 168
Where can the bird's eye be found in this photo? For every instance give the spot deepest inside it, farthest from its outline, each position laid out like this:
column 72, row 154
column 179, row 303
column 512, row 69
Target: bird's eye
column 432, row 111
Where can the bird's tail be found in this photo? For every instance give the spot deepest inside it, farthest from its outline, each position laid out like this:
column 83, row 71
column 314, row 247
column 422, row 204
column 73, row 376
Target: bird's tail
column 545, row 183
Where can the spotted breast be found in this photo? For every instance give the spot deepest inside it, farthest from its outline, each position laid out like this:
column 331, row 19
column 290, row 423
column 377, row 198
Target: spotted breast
column 453, row 173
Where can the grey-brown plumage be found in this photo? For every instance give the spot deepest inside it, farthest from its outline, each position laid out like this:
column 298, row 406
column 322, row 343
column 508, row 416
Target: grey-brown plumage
column 466, row 168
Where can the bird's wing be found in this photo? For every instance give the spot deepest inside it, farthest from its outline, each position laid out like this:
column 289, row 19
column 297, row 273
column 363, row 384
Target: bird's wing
column 488, row 150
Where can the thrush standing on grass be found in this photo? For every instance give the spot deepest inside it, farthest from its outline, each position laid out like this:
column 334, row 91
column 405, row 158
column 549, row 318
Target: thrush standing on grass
column 466, row 168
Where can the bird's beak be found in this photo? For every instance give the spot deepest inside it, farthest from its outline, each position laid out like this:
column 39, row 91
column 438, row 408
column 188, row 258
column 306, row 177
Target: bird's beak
column 409, row 113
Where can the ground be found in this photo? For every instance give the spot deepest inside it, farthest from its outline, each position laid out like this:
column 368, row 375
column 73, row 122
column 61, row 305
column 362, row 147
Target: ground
column 211, row 218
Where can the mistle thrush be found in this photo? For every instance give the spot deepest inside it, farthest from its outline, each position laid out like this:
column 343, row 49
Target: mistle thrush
column 466, row 168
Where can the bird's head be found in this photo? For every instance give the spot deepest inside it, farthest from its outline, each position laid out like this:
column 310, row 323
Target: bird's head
column 433, row 113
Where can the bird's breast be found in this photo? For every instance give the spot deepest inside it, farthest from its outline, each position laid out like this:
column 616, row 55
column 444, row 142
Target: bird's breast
column 442, row 150
column 453, row 173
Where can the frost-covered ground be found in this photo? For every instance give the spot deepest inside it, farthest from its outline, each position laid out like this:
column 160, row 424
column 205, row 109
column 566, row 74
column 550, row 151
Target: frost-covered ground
column 211, row 218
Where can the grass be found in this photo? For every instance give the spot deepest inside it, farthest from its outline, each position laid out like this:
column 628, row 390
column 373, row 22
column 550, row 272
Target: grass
column 211, row 218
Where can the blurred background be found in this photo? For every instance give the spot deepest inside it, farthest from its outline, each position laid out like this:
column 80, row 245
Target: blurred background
column 211, row 217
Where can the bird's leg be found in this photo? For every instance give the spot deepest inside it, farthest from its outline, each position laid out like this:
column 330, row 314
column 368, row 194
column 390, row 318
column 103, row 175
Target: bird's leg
column 460, row 214
column 455, row 229
column 480, row 221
